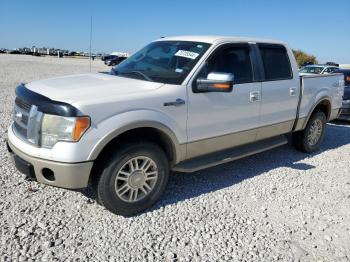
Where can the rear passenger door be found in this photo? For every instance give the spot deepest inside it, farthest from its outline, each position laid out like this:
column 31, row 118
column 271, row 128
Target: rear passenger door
column 280, row 91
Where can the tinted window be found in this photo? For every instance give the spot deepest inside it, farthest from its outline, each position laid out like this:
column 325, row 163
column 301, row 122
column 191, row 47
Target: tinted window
column 235, row 60
column 330, row 69
column 276, row 62
column 312, row 69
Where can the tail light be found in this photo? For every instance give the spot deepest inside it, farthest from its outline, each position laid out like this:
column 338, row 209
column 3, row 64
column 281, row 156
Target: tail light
column 347, row 80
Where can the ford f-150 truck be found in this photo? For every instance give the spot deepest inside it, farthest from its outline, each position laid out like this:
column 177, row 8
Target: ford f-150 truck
column 179, row 104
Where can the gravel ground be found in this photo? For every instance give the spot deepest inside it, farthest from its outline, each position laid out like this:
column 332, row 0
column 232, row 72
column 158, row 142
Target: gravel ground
column 278, row 205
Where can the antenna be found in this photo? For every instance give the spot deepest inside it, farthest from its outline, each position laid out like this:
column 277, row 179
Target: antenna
column 90, row 39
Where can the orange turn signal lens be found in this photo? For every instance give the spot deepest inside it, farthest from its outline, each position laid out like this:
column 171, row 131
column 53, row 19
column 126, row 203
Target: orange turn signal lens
column 81, row 125
column 224, row 86
column 348, row 78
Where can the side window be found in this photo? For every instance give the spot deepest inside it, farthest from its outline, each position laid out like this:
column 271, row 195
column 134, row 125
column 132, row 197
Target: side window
column 235, row 60
column 276, row 62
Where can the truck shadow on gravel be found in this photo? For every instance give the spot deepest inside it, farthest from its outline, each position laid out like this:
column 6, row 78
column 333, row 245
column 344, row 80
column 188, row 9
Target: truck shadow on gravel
column 183, row 186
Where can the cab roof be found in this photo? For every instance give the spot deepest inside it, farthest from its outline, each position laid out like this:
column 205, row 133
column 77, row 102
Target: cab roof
column 211, row 39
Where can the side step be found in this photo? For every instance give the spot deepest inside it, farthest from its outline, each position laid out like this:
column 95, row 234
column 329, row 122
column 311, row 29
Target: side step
column 228, row 155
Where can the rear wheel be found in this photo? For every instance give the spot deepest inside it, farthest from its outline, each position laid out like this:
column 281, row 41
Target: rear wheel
column 133, row 178
column 310, row 139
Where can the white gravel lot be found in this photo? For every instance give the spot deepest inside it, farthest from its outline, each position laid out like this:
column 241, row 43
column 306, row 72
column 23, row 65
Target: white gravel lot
column 278, row 205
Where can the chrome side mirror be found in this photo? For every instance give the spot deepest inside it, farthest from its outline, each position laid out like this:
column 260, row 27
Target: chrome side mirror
column 215, row 82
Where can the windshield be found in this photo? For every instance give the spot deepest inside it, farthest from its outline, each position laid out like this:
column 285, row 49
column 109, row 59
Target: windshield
column 312, row 69
column 162, row 61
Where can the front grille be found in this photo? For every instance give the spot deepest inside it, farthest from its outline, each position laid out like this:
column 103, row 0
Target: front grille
column 21, row 116
column 21, row 131
column 27, row 121
column 22, row 104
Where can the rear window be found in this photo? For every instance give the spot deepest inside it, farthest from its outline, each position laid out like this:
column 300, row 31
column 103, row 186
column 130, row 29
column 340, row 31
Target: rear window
column 276, row 62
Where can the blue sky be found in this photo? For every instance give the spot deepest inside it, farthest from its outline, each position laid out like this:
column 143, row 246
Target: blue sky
column 319, row 27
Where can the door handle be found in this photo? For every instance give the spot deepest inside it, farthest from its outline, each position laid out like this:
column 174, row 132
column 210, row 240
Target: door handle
column 292, row 91
column 177, row 102
column 254, row 96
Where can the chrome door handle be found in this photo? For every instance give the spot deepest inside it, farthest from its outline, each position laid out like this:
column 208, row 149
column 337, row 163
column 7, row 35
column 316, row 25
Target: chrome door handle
column 292, row 91
column 254, row 96
column 177, row 102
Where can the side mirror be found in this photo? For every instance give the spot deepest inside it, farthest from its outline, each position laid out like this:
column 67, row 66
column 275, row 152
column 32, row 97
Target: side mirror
column 215, row 82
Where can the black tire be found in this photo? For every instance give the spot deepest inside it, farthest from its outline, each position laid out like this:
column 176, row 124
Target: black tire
column 106, row 182
column 300, row 139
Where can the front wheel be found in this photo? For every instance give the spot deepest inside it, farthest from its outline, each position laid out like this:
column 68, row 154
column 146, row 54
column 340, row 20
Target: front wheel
column 133, row 178
column 310, row 139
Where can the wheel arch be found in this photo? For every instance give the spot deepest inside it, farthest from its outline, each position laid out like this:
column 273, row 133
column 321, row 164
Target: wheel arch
column 148, row 130
column 141, row 131
column 324, row 105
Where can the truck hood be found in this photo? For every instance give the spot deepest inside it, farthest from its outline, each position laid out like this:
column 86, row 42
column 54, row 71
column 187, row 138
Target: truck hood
column 83, row 87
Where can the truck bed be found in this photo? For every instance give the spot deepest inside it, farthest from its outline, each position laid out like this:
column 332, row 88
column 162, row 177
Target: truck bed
column 313, row 89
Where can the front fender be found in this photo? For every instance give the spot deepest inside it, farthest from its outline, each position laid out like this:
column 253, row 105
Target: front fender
column 118, row 124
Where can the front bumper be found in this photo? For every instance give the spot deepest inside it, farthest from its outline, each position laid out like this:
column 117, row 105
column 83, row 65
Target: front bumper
column 59, row 174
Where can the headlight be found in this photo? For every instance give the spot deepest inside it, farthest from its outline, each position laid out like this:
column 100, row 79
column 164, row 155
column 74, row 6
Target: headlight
column 57, row 128
column 346, row 102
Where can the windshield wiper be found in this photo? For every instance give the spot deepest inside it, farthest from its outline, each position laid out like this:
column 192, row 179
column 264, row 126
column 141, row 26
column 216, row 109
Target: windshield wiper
column 139, row 73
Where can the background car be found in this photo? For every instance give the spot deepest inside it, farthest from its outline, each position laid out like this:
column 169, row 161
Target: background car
column 106, row 57
column 318, row 69
column 114, row 60
column 14, row 52
column 345, row 111
column 332, row 64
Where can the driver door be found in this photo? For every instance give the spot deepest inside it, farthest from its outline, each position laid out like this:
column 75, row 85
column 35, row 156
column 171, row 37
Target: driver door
column 218, row 120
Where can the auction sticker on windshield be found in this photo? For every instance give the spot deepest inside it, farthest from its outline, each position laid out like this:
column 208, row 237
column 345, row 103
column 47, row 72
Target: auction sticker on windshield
column 187, row 54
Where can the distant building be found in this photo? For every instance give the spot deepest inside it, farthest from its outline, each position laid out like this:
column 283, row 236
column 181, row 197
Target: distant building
column 37, row 51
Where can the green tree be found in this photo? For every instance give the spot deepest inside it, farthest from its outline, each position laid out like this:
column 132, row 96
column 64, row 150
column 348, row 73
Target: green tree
column 303, row 58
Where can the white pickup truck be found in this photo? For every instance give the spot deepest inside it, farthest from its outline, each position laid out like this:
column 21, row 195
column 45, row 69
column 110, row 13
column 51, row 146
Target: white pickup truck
column 179, row 104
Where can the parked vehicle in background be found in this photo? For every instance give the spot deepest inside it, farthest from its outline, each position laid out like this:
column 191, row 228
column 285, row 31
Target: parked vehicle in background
column 181, row 103
column 14, row 52
column 332, row 64
column 345, row 110
column 114, row 60
column 317, row 69
column 105, row 57
column 306, row 64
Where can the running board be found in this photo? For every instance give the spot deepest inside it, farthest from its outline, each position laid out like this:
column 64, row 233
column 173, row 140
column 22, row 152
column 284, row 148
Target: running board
column 228, row 155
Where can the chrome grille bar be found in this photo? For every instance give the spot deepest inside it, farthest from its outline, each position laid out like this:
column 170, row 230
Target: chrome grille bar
column 27, row 121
